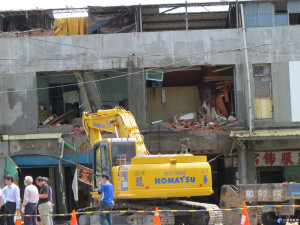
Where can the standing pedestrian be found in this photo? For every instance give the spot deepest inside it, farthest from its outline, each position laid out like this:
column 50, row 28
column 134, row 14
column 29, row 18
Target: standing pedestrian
column 31, row 198
column 12, row 197
column 44, row 204
column 107, row 191
column 51, row 200
column 2, row 208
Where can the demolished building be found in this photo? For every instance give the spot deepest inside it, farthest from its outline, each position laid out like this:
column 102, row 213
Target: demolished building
column 182, row 75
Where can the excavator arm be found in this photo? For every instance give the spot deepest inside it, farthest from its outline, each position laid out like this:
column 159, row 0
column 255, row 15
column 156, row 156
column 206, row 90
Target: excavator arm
column 116, row 120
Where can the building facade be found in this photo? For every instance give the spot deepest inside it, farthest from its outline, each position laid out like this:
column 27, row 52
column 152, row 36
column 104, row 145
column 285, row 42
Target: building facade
column 202, row 74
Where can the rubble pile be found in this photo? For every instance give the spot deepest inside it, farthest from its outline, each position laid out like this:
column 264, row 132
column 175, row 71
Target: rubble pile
column 189, row 121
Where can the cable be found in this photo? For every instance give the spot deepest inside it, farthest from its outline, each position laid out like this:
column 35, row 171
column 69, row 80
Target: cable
column 140, row 54
column 219, row 51
column 75, row 46
column 86, row 82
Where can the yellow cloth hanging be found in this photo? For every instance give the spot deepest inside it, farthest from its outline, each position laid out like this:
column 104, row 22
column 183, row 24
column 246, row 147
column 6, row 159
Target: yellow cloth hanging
column 72, row 26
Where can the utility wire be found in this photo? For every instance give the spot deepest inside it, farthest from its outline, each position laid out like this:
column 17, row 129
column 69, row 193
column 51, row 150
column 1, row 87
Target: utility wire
column 205, row 53
column 297, row 41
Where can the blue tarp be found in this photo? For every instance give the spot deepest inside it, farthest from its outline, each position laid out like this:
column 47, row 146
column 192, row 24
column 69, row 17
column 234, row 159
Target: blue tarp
column 47, row 161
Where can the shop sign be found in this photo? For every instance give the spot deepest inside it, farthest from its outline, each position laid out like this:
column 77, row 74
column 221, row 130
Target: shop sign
column 277, row 158
column 85, row 174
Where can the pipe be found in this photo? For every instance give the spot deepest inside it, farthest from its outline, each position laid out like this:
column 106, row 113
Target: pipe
column 186, row 17
column 247, row 69
column 237, row 14
column 141, row 21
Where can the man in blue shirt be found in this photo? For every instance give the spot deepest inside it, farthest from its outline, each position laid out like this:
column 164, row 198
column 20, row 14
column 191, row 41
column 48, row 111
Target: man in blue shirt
column 107, row 191
column 2, row 209
column 12, row 197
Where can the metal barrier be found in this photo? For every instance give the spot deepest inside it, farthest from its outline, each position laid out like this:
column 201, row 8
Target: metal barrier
column 145, row 211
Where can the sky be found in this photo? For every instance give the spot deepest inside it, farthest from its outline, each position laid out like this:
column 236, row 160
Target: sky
column 52, row 4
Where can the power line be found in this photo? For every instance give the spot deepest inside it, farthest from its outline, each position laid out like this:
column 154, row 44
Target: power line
column 99, row 80
column 135, row 53
column 204, row 53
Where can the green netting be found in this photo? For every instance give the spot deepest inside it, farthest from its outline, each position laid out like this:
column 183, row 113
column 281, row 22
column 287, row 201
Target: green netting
column 11, row 168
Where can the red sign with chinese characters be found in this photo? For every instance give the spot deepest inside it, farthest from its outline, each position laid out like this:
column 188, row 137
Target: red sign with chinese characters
column 277, row 158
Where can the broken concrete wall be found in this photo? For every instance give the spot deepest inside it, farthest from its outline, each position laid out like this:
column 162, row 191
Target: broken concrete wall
column 18, row 103
column 201, row 142
column 153, row 49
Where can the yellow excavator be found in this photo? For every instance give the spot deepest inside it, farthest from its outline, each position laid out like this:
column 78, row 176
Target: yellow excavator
column 142, row 181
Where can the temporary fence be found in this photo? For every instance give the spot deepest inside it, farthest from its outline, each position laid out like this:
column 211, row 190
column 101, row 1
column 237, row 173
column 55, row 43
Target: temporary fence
column 160, row 211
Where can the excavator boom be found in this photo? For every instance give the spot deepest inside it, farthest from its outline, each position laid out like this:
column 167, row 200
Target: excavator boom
column 116, row 120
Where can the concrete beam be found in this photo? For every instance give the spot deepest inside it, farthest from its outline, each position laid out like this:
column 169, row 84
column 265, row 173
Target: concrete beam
column 181, row 17
column 181, row 25
column 201, row 142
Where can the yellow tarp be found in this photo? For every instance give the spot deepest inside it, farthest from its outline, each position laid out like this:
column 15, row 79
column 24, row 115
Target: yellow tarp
column 73, row 26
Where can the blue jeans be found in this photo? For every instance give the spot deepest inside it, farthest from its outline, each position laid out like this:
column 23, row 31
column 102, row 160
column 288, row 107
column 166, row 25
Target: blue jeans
column 105, row 218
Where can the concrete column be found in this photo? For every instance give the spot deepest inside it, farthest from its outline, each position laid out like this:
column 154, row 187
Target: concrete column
column 242, row 166
column 137, row 92
column 250, row 155
column 52, row 182
column 247, row 169
column 60, row 190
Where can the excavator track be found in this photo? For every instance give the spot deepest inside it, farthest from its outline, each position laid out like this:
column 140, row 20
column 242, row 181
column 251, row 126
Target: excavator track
column 199, row 218
column 167, row 218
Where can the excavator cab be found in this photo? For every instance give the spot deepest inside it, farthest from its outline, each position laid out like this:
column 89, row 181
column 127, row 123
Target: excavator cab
column 112, row 152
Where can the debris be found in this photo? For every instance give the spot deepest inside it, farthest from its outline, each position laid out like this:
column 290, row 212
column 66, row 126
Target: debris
column 189, row 116
column 231, row 119
column 49, row 119
column 221, row 106
column 221, row 120
column 64, row 117
column 208, row 122
column 183, row 117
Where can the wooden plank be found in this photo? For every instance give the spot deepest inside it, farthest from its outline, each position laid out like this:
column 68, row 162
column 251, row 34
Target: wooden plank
column 225, row 92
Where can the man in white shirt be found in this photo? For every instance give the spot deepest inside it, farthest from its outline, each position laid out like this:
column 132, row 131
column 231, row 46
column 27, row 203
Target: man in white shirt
column 31, row 198
column 2, row 208
column 12, row 197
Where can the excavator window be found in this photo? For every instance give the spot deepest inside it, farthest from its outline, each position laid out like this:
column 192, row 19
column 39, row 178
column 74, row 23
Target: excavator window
column 102, row 161
column 122, row 152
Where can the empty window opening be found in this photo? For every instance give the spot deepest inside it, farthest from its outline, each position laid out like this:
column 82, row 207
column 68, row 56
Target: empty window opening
column 270, row 175
column 63, row 96
column 294, row 12
column 201, row 97
column 263, row 91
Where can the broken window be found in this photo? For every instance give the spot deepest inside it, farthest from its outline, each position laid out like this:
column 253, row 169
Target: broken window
column 263, row 91
column 201, row 97
column 58, row 98
column 281, row 15
column 294, row 12
column 259, row 15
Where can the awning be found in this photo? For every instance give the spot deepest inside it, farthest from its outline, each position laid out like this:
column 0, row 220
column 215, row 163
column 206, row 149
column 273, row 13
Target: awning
column 38, row 161
column 19, row 137
column 271, row 134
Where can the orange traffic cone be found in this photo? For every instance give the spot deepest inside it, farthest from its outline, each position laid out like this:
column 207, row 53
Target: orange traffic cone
column 156, row 220
column 18, row 219
column 74, row 218
column 245, row 217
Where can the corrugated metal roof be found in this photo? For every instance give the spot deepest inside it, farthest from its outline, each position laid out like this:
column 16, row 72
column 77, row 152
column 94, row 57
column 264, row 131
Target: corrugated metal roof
column 260, row 134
